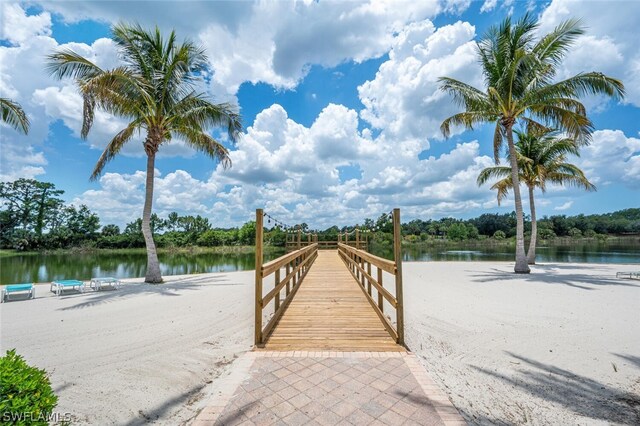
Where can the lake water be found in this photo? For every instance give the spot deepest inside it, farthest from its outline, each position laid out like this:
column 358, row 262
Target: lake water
column 84, row 266
column 45, row 268
column 579, row 253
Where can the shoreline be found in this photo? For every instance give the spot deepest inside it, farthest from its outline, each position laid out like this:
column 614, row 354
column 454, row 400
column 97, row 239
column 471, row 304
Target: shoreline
column 140, row 280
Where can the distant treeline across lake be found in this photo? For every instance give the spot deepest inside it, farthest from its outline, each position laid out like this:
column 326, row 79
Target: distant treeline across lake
column 18, row 267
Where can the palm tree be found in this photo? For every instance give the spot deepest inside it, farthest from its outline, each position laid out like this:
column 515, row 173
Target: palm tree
column 519, row 73
column 541, row 159
column 154, row 90
column 13, row 114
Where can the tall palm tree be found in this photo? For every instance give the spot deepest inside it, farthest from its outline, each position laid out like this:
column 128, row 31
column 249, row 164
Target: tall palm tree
column 541, row 159
column 154, row 90
column 519, row 73
column 13, row 114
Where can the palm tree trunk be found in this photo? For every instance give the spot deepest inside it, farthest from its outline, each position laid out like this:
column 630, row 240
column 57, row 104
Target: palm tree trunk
column 531, row 254
column 521, row 266
column 153, row 266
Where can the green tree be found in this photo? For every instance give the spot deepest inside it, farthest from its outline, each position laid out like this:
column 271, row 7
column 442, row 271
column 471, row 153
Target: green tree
column 519, row 73
column 172, row 221
column 457, row 232
column 499, row 235
column 541, row 160
column 154, row 90
column 110, row 230
column 31, row 203
column 13, row 114
column 82, row 221
column 247, row 233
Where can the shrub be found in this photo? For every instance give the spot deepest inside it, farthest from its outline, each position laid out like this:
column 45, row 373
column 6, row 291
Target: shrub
column 412, row 238
column 575, row 233
column 473, row 232
column 499, row 235
column 546, row 233
column 602, row 237
column 457, row 232
column 589, row 233
column 27, row 397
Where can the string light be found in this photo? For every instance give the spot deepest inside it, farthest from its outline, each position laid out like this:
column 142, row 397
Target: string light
column 293, row 229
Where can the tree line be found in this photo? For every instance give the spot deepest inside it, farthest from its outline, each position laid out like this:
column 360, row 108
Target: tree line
column 34, row 217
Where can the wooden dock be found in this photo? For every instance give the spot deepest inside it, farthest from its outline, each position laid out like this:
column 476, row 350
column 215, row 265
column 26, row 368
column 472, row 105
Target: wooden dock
column 329, row 300
column 330, row 312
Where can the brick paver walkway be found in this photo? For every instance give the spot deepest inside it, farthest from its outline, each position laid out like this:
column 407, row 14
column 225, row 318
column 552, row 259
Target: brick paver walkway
column 331, row 388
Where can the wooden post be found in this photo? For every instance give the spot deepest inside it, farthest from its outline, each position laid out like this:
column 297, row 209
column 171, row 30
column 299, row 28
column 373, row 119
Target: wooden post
column 308, row 239
column 299, row 234
column 369, row 281
column 357, row 238
column 258, row 310
column 277, row 297
column 287, row 272
column 397, row 256
column 380, row 299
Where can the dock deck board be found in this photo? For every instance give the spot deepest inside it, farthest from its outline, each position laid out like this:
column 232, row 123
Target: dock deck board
column 330, row 312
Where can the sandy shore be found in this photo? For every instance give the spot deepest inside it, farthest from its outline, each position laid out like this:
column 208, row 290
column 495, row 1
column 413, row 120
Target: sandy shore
column 138, row 354
column 560, row 346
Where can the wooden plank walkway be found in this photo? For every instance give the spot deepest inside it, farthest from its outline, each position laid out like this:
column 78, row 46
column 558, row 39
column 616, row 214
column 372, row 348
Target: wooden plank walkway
column 330, row 312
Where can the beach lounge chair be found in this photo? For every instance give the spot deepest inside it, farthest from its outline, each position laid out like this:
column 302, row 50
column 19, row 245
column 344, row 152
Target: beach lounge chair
column 61, row 285
column 98, row 283
column 18, row 288
column 629, row 275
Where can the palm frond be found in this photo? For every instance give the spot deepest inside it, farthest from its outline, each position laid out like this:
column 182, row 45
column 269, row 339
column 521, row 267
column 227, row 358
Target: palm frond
column 552, row 47
column 113, row 148
column 68, row 64
column 467, row 119
column 463, row 94
column 496, row 172
column 13, row 114
column 502, row 187
column 205, row 143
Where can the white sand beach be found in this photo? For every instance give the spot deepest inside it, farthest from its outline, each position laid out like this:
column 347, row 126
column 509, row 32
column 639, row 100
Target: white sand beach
column 558, row 346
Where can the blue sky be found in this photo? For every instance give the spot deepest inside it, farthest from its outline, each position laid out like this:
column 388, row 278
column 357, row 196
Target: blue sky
column 339, row 101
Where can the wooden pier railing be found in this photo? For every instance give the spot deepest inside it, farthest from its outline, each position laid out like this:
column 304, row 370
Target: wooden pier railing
column 325, row 245
column 295, row 264
column 360, row 264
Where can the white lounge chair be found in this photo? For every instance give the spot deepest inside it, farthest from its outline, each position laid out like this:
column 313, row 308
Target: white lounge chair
column 59, row 286
column 629, row 275
column 18, row 288
column 98, row 283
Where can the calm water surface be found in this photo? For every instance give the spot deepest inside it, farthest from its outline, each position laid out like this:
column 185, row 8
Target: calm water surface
column 45, row 268
column 84, row 266
column 583, row 252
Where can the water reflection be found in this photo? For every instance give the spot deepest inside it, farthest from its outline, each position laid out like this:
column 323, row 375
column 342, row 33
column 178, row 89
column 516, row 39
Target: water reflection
column 579, row 253
column 49, row 267
column 44, row 268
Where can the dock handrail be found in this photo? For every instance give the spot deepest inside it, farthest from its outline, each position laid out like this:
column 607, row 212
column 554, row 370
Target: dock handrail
column 360, row 262
column 296, row 265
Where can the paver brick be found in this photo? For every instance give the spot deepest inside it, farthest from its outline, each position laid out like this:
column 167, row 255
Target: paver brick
column 357, row 389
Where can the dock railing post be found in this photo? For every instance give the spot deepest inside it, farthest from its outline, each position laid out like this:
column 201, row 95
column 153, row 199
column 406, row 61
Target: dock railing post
column 258, row 308
column 357, row 238
column 397, row 256
column 299, row 235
